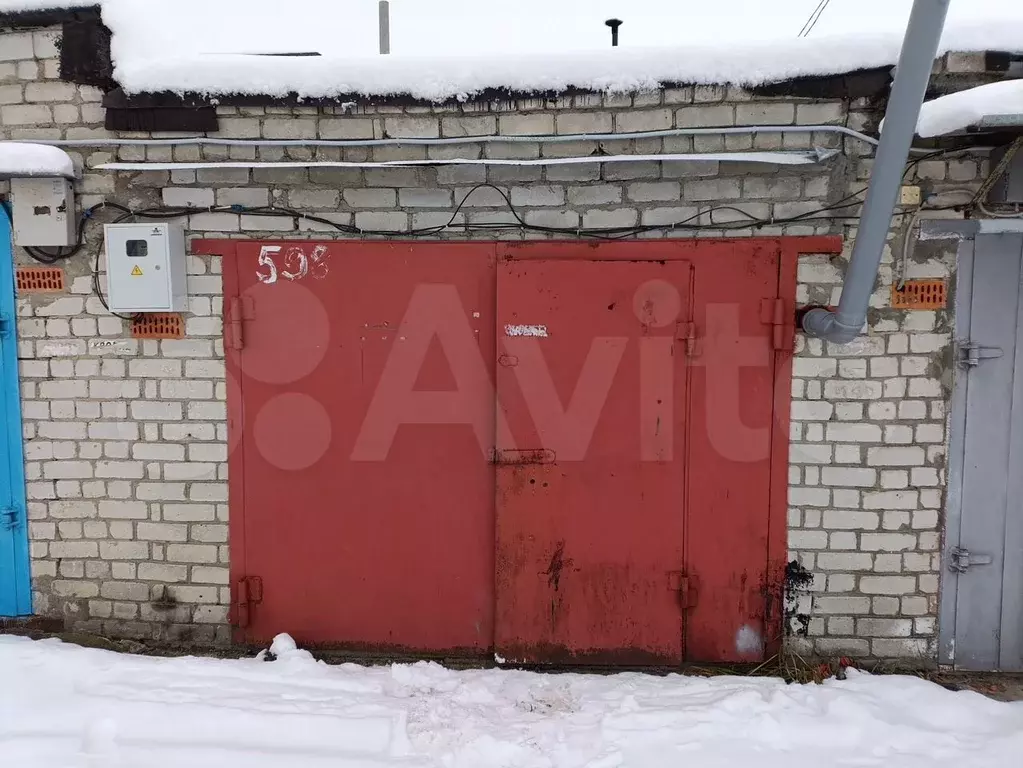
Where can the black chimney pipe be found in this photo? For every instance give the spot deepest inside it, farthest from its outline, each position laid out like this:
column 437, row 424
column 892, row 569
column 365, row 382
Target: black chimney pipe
column 614, row 24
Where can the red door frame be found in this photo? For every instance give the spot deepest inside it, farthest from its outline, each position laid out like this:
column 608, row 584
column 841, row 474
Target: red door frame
column 696, row 250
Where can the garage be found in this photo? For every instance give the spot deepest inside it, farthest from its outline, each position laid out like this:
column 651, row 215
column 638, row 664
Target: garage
column 557, row 453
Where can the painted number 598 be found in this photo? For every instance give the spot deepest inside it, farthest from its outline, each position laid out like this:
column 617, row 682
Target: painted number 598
column 295, row 264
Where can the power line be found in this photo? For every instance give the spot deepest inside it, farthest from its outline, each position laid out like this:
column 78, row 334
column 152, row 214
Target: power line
column 815, row 16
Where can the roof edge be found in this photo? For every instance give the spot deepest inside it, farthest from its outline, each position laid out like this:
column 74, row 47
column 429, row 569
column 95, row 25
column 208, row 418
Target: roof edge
column 47, row 17
column 864, row 83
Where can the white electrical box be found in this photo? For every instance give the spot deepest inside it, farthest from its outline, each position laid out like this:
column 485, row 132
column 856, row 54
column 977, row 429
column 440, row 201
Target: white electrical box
column 44, row 213
column 146, row 267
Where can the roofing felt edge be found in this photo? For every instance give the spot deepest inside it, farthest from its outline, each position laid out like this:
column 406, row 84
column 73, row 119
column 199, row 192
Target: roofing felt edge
column 46, row 17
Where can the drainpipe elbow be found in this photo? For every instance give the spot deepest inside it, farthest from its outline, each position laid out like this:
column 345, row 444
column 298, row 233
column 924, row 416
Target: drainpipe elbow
column 825, row 324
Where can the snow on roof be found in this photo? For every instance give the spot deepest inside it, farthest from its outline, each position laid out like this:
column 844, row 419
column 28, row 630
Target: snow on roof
column 348, row 28
column 443, row 49
column 998, row 102
column 13, row 6
column 27, row 160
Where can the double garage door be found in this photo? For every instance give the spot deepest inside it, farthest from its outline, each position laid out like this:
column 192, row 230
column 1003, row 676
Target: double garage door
column 552, row 452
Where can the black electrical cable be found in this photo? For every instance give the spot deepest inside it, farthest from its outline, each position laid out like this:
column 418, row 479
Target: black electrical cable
column 97, row 288
column 179, row 212
column 823, row 213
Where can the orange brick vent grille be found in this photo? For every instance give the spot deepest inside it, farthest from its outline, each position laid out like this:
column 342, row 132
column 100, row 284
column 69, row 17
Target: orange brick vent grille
column 920, row 294
column 158, row 325
column 40, row 280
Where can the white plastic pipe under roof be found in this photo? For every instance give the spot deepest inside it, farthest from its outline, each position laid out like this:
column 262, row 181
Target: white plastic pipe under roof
column 807, row 157
column 726, row 130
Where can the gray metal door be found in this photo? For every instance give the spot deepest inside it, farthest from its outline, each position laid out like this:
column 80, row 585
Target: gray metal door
column 982, row 589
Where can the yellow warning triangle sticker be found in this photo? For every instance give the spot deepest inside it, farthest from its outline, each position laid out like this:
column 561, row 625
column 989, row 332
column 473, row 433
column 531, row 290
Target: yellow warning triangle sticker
column 137, row 272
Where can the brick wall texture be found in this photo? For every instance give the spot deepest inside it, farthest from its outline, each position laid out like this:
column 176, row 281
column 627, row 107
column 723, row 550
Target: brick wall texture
column 125, row 440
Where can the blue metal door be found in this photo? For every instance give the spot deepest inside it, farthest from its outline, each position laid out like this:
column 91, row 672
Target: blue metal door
column 15, row 587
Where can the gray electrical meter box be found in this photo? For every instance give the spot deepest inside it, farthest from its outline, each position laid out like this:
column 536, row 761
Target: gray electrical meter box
column 146, row 267
column 44, row 212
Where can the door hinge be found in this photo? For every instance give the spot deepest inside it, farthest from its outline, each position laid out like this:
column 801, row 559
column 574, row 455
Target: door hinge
column 5, row 325
column 685, row 587
column 960, row 559
column 779, row 314
column 240, row 310
column 9, row 517
column 248, row 593
column 687, row 334
column 971, row 354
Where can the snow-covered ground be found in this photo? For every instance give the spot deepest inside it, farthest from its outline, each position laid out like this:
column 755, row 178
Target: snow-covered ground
column 62, row 706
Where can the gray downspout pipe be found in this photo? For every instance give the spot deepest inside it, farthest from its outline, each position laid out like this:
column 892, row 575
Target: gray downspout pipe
column 919, row 48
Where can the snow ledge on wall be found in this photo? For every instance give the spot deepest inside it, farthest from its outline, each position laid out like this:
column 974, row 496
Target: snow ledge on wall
column 19, row 160
column 140, row 68
column 962, row 110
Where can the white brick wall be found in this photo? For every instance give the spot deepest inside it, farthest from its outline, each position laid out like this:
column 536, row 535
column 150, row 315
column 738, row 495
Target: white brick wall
column 152, row 436
column 126, row 445
column 869, row 518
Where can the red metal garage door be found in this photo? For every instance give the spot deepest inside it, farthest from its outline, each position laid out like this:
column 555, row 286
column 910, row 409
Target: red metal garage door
column 619, row 593
column 637, row 505
column 365, row 528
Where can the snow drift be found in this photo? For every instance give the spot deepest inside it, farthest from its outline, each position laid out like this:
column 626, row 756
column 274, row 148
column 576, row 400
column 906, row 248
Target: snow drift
column 64, row 706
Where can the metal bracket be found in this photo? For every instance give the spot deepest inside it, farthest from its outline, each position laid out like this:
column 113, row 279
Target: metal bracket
column 961, row 559
column 240, row 309
column 687, row 334
column 248, row 593
column 781, row 315
column 971, row 354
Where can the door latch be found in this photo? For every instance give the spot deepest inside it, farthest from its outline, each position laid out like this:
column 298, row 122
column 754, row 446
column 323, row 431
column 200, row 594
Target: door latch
column 685, row 587
column 971, row 354
column 9, row 518
column 960, row 559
